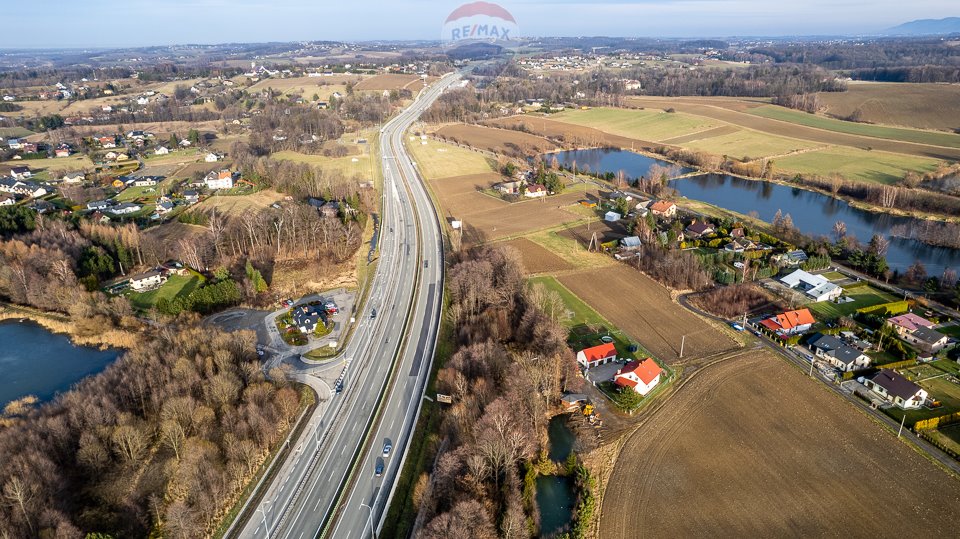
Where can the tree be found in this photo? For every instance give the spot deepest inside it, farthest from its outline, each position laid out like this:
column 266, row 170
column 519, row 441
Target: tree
column 839, row 231
column 916, row 273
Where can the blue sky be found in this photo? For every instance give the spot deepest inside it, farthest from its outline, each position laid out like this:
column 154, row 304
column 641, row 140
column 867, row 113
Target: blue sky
column 99, row 23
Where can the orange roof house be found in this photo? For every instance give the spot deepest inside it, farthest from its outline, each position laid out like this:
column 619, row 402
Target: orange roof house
column 641, row 376
column 597, row 355
column 790, row 322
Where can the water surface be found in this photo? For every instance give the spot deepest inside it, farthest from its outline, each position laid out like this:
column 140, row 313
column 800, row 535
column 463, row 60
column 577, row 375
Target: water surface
column 555, row 499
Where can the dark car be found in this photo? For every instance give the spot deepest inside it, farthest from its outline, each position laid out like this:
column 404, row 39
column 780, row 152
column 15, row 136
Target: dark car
column 378, row 470
column 373, row 313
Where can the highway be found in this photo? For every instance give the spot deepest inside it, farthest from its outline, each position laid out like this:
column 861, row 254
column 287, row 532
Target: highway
column 406, row 294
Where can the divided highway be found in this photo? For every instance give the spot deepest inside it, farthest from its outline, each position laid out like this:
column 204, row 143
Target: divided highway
column 328, row 487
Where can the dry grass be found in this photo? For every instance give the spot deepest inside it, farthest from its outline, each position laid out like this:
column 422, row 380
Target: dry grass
column 114, row 338
column 537, row 259
column 751, row 447
column 502, row 141
column 442, row 160
column 391, row 82
column 571, row 134
column 172, row 232
column 919, row 106
column 644, row 310
column 241, row 205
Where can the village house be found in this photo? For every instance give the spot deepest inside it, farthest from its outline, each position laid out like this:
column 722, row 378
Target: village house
column 895, row 388
column 907, row 323
column 927, row 340
column 307, row 317
column 125, row 208
column 99, row 217
column 641, row 376
column 161, row 150
column 99, row 204
column 597, row 355
column 211, row 158
column 7, row 199
column 612, row 217
column 698, row 229
column 630, row 243
column 42, row 206
column 219, row 180
column 790, row 322
column 144, row 182
column 147, row 280
column 17, row 187
column 816, row 287
column 739, row 245
column 833, row 350
column 21, row 173
column 14, row 143
column 535, row 190
column 62, row 151
column 29, row 147
column 790, row 258
column 164, row 207
column 663, row 208
column 107, row 142
column 508, row 188
column 191, row 196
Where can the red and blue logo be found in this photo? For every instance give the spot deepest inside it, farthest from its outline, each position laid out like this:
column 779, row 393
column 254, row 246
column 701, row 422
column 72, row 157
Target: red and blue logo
column 479, row 22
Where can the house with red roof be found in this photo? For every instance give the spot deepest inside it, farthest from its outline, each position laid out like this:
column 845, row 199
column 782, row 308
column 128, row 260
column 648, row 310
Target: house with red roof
column 535, row 190
column 641, row 376
column 597, row 355
column 663, row 208
column 790, row 322
column 907, row 323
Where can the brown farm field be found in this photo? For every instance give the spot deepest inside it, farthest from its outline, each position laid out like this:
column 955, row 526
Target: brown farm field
column 919, row 106
column 536, row 258
column 504, row 141
column 240, row 205
column 751, row 447
column 391, row 82
column 643, row 309
column 576, row 135
column 170, row 233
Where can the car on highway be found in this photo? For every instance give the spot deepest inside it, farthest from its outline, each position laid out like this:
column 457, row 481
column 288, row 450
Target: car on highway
column 378, row 469
column 387, row 448
column 373, row 313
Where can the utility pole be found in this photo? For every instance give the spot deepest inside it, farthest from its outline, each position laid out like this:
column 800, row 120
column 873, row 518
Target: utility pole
column 812, row 361
column 682, row 341
column 902, row 419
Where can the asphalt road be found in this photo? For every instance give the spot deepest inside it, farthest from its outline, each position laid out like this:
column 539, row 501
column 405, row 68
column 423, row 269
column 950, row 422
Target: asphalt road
column 406, row 294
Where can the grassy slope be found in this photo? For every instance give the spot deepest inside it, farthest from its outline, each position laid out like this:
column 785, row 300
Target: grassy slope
column 645, row 124
column 176, row 286
column 856, row 164
column 441, row 160
column 748, row 143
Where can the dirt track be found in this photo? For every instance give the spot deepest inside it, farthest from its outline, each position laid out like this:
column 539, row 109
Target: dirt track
column 750, row 447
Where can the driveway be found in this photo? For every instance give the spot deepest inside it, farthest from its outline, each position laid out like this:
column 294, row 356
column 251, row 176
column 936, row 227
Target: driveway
column 341, row 322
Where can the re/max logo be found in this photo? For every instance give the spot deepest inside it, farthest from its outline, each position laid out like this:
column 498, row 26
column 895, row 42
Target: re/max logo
column 480, row 31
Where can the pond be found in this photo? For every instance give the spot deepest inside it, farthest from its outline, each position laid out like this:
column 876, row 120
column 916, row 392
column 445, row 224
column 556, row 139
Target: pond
column 34, row 361
column 561, row 438
column 814, row 214
column 555, row 499
column 613, row 160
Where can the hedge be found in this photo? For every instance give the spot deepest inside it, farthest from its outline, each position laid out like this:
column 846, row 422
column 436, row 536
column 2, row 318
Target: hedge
column 887, row 309
column 926, row 436
column 858, row 284
column 939, row 421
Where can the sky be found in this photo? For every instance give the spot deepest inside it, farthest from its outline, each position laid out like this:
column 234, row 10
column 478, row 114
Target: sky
column 102, row 23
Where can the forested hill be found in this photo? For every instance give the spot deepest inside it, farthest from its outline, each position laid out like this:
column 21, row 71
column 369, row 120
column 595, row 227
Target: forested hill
column 927, row 27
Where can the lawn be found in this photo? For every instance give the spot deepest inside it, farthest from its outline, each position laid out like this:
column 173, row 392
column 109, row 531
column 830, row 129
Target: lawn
column 363, row 166
column 856, row 164
column 863, row 296
column 442, row 160
column 940, row 389
column 950, row 331
column 176, row 286
column 833, row 275
column 854, row 128
column 749, row 143
column 949, row 436
column 8, row 132
column 647, row 124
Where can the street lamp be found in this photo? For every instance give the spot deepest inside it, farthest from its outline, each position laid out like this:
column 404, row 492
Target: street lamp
column 266, row 525
column 373, row 532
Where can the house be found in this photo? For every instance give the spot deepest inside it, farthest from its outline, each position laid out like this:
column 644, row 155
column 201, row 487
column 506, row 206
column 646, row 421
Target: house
column 191, row 196
column 508, row 188
column 17, row 187
column 817, row 287
column 698, row 230
column 790, row 322
column 791, row 258
column 161, row 150
column 740, row 245
column 99, row 204
column 211, row 158
column 164, row 207
column 125, row 208
column 28, row 147
column 99, row 217
column 110, row 156
column 641, row 376
column 7, row 199
column 738, row 233
column 630, row 243
column 907, row 323
column 612, row 216
column 136, row 135
column 41, row 206
column 894, row 387
column 144, row 182
column 107, row 142
column 837, row 353
column 535, row 190
column 927, row 340
column 147, row 280
column 663, row 208
column 122, row 157
column 185, row 143
column 329, row 209
column 597, row 355
column 307, row 317
column 14, row 144
column 62, row 151
column 73, row 177
column 21, row 173
column 219, row 180
column 8, row 184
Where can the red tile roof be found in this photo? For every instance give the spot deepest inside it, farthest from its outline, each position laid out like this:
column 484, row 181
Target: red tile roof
column 646, row 370
column 792, row 319
column 596, row 353
column 661, row 206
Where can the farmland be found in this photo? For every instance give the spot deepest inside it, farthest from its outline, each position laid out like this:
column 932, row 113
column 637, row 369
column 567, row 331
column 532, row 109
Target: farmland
column 856, row 164
column 752, row 448
column 537, row 259
column 443, row 160
column 352, row 165
column 655, row 125
column 642, row 308
column 502, row 141
column 571, row 133
column 391, row 82
column 919, row 106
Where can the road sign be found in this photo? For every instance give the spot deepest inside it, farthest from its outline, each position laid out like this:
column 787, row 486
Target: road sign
column 446, row 399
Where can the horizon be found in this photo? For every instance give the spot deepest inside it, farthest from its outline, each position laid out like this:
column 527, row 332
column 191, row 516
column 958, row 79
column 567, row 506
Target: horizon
column 218, row 22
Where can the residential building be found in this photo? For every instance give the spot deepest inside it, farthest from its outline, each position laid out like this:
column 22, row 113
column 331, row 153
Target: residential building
column 895, row 388
column 191, row 196
column 535, row 190
column 790, row 322
column 41, row 206
column 817, row 287
column 698, row 230
column 62, row 152
column 508, row 188
column 14, row 143
column 791, row 258
column 837, row 353
column 663, row 208
column 641, row 376
column 597, row 355
column 219, row 180
column 612, row 216
column 144, row 182
column 927, row 339
column 307, row 317
column 99, row 204
column 73, row 177
column 630, row 243
column 21, row 173
column 7, row 199
column 125, row 208
column 211, row 158
column 740, row 245
column 147, row 280
column 164, row 207
column 907, row 323
column 107, row 142
column 161, row 150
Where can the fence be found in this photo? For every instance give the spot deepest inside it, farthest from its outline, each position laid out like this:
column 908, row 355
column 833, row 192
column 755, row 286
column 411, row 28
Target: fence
column 939, row 421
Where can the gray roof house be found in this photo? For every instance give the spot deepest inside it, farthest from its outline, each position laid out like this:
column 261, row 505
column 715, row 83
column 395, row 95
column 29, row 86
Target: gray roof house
column 846, row 358
column 895, row 388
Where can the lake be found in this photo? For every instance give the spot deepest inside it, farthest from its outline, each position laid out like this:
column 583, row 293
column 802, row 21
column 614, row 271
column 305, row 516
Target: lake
column 34, row 361
column 613, row 160
column 814, row 214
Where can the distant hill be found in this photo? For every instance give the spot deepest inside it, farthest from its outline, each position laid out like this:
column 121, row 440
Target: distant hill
column 926, row 27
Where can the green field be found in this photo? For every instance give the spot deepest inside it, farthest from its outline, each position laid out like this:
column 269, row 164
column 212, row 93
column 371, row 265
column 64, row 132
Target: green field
column 950, row 331
column 749, row 143
column 856, row 164
column 14, row 132
column 176, row 286
column 833, row 275
column 442, row 160
column 863, row 296
column 647, row 124
column 853, row 128
column 362, row 167
column 940, row 389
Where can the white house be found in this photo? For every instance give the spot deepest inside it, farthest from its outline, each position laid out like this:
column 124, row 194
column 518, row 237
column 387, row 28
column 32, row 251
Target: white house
column 630, row 243
column 641, row 376
column 833, row 350
column 161, row 150
column 817, row 287
column 894, row 387
column 597, row 355
column 14, row 144
column 219, row 180
column 146, row 280
column 21, row 173
column 535, row 190
column 612, row 216
column 125, row 208
column 144, row 182
column 99, row 204
column 7, row 200
column 211, row 158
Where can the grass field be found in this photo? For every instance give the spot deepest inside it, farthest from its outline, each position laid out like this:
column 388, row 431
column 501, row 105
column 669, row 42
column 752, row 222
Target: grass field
column 14, row 132
column 176, row 286
column 537, row 259
column 350, row 166
column 864, row 296
column 750, row 447
column 391, row 82
column 833, row 275
column 569, row 250
column 442, row 160
column 774, row 112
column 503, row 141
column 856, row 164
column 940, row 389
column 655, row 125
column 239, row 206
column 749, row 143
column 50, row 169
column 950, row 331
column 917, row 106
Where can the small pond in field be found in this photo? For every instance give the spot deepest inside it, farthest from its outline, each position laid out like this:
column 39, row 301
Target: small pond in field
column 555, row 499
column 561, row 438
